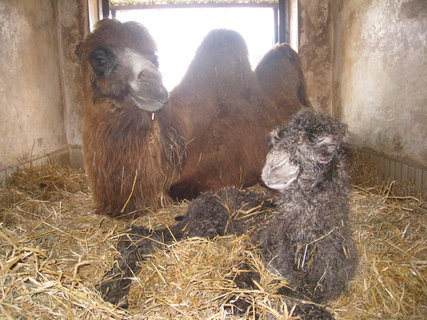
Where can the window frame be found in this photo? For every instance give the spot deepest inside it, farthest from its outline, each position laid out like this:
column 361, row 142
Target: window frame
column 280, row 12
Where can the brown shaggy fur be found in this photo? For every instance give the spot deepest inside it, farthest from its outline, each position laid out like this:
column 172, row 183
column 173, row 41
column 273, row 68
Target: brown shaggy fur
column 123, row 147
column 229, row 114
column 280, row 76
column 211, row 134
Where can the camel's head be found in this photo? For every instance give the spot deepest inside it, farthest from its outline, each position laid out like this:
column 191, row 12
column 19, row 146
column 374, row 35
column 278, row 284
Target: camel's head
column 310, row 144
column 120, row 63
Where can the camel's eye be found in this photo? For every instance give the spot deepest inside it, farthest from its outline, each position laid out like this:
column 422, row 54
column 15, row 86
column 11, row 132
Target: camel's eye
column 102, row 61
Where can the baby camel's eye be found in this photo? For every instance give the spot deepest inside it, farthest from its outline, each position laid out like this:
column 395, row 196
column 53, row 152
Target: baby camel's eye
column 312, row 138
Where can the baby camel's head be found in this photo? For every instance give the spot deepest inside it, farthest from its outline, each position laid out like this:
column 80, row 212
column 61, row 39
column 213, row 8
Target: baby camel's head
column 310, row 144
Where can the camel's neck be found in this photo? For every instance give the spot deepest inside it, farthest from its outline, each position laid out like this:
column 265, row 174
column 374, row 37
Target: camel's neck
column 316, row 196
column 123, row 122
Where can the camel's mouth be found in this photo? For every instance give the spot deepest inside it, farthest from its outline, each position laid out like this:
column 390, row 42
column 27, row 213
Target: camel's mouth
column 150, row 104
column 279, row 186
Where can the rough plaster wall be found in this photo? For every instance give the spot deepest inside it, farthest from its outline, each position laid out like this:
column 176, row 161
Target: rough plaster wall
column 39, row 88
column 315, row 51
column 71, row 30
column 31, row 113
column 380, row 68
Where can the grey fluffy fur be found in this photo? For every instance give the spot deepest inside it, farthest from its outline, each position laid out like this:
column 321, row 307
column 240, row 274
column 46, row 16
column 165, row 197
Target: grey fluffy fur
column 306, row 238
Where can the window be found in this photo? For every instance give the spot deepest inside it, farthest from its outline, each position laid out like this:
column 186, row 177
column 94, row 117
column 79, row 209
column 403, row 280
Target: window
column 179, row 31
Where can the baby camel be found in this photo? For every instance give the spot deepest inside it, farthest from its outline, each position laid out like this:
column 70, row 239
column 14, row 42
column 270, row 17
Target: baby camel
column 307, row 238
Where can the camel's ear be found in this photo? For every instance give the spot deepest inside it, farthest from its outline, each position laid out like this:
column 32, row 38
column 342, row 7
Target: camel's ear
column 326, row 149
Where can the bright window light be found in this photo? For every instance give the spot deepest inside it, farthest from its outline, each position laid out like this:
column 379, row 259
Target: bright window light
column 179, row 32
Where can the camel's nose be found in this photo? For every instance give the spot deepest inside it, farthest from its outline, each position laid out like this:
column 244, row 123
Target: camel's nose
column 151, row 85
column 150, row 75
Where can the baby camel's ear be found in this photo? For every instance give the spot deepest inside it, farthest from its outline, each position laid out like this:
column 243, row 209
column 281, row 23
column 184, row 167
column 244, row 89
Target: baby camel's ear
column 326, row 149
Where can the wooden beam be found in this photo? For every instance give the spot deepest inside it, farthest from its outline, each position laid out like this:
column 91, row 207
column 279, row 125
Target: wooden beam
column 194, row 5
column 276, row 25
column 105, row 8
column 283, row 24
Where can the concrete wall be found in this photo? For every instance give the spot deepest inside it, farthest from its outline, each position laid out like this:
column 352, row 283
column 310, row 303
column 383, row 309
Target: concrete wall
column 40, row 94
column 72, row 27
column 380, row 75
column 315, row 50
column 366, row 61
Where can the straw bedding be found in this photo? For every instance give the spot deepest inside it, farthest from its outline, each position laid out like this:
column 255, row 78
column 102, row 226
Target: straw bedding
column 55, row 251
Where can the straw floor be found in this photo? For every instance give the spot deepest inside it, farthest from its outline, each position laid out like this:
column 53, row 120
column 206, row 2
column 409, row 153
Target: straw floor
column 55, row 250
